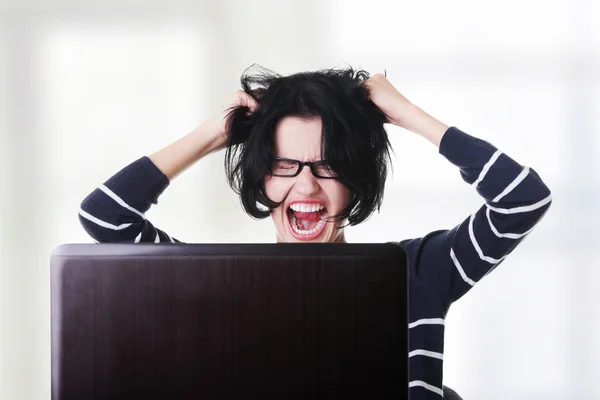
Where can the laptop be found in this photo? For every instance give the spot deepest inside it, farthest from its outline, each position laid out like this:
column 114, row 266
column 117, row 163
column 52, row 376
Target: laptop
column 229, row 321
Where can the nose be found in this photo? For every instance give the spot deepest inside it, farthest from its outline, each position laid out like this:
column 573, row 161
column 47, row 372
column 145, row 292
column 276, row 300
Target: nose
column 306, row 183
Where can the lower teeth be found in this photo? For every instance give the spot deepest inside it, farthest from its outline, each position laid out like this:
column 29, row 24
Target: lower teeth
column 302, row 231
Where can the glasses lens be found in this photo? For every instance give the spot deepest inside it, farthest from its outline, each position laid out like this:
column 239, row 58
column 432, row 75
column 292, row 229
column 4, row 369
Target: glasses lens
column 323, row 170
column 284, row 167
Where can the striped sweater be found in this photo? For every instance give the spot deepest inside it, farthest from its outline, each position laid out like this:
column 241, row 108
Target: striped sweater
column 443, row 265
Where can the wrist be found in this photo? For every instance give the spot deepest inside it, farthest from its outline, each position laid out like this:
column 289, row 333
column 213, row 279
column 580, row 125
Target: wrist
column 423, row 124
column 404, row 115
column 208, row 138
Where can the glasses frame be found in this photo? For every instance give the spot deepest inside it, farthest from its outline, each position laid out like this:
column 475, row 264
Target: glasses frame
column 301, row 165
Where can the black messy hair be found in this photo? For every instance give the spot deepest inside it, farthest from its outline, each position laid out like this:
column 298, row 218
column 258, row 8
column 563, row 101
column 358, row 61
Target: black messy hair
column 353, row 139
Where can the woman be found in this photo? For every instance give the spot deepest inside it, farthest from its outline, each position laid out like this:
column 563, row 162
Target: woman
column 310, row 151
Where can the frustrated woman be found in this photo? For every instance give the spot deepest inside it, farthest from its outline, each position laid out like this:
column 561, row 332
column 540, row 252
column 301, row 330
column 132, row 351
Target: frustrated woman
column 310, row 151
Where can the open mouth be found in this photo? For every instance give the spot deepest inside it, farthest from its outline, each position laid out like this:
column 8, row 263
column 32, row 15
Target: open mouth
column 307, row 220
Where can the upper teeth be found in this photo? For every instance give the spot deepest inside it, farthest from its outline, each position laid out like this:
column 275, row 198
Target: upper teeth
column 303, row 207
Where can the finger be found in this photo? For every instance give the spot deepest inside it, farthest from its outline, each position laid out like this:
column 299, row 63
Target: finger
column 250, row 102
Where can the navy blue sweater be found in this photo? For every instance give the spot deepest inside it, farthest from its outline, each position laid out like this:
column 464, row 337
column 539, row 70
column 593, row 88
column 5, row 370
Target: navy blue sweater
column 443, row 265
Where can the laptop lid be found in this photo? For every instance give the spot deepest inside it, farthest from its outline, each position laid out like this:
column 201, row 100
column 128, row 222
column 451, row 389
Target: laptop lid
column 229, row 321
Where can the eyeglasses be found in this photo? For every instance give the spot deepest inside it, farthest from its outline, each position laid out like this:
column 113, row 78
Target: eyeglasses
column 289, row 168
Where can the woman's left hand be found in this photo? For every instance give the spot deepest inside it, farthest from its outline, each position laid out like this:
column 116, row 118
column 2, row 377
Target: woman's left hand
column 389, row 100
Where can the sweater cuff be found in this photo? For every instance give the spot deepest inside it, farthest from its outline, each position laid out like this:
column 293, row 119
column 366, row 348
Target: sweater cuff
column 139, row 181
column 464, row 150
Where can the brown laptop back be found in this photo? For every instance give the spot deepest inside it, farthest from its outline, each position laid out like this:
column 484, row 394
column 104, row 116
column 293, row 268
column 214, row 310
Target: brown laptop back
column 229, row 321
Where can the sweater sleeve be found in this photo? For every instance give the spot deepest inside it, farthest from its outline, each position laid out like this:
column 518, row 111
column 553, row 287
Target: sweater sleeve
column 114, row 212
column 516, row 198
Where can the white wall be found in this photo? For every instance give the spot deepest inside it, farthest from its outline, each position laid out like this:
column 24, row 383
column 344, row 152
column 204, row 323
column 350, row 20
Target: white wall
column 84, row 90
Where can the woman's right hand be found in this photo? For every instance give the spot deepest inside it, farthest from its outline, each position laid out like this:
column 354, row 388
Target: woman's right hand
column 220, row 122
column 209, row 137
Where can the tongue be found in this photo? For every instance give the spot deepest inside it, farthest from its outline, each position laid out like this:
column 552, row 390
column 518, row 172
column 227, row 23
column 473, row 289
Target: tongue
column 307, row 220
column 308, row 216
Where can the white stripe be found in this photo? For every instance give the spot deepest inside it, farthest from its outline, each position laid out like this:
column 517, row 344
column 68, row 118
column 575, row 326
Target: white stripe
column 515, row 210
column 138, row 237
column 427, row 386
column 170, row 238
column 426, row 353
column 426, row 321
column 507, row 190
column 119, row 200
column 494, row 267
column 513, row 184
column 490, row 270
column 157, row 238
column 460, row 269
column 504, row 235
column 486, row 168
column 101, row 223
column 476, row 245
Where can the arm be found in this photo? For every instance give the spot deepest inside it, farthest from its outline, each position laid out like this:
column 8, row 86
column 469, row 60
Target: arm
column 115, row 211
column 515, row 198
